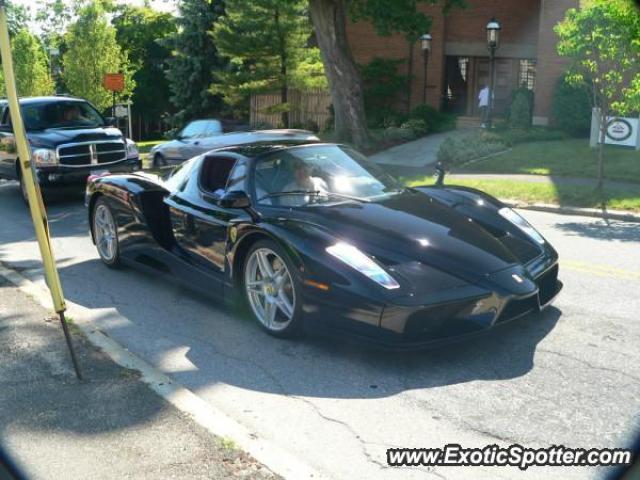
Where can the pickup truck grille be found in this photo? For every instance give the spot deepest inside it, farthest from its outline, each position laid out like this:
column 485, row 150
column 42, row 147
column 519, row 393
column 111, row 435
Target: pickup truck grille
column 91, row 153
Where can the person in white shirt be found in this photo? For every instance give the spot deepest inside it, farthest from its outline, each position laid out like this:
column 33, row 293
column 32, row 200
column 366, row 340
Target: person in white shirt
column 483, row 104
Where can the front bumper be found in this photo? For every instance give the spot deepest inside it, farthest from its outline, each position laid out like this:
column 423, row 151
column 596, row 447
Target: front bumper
column 468, row 311
column 61, row 177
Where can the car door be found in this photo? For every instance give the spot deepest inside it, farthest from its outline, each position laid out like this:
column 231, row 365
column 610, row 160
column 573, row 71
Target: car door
column 8, row 152
column 199, row 224
column 190, row 139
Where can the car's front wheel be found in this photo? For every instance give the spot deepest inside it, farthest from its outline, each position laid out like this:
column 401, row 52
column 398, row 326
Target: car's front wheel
column 272, row 289
column 105, row 234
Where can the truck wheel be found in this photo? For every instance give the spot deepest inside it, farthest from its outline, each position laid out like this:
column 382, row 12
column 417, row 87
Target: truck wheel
column 23, row 191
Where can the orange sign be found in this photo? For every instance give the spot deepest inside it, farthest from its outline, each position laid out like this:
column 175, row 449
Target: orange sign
column 114, row 82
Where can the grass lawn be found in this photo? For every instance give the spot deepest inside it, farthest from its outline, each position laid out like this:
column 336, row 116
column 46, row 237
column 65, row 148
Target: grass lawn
column 144, row 147
column 565, row 195
column 567, row 158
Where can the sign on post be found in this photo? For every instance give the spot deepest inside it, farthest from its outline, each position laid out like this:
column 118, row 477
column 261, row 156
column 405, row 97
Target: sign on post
column 621, row 131
column 114, row 82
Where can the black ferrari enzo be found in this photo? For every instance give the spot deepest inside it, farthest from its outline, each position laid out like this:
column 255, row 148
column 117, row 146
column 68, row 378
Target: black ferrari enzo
column 312, row 234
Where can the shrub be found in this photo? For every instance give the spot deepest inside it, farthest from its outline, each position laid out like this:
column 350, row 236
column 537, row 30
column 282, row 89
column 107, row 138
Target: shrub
column 436, row 121
column 382, row 84
column 395, row 135
column 461, row 149
column 417, row 125
column 535, row 134
column 520, row 111
column 572, row 108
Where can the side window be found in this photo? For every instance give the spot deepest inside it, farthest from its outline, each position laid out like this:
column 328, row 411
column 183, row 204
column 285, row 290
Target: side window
column 238, row 177
column 194, row 129
column 214, row 127
column 214, row 174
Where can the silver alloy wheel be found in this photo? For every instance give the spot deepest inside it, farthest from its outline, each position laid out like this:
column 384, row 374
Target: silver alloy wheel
column 270, row 290
column 104, row 229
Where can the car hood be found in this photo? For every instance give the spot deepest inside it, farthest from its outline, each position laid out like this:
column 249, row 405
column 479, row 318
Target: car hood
column 417, row 227
column 53, row 137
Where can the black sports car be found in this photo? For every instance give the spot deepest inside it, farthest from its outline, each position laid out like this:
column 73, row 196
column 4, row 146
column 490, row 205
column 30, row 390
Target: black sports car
column 311, row 234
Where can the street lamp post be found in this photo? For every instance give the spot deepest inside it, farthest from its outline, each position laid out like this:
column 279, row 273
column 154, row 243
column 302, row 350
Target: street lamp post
column 425, row 46
column 493, row 41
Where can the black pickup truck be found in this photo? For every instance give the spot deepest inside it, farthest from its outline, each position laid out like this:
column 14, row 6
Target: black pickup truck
column 69, row 141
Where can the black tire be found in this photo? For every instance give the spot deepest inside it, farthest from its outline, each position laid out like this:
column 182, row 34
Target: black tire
column 158, row 160
column 295, row 325
column 23, row 191
column 113, row 260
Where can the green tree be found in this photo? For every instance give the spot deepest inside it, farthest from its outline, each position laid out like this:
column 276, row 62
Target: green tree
column 31, row 66
column 140, row 32
column 92, row 51
column 265, row 41
column 194, row 58
column 603, row 40
column 329, row 19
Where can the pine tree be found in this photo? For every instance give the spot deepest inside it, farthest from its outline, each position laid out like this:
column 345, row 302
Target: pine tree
column 190, row 69
column 265, row 41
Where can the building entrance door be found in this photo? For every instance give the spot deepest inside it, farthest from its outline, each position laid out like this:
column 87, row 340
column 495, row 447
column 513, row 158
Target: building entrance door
column 503, row 86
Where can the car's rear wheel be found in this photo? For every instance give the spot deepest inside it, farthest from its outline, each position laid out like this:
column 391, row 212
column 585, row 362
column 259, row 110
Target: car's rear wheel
column 272, row 289
column 159, row 160
column 105, row 234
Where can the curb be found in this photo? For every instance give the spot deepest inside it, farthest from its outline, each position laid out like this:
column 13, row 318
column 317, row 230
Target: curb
column 621, row 215
column 204, row 414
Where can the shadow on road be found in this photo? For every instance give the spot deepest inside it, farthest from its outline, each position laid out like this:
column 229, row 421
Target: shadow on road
column 201, row 343
column 603, row 230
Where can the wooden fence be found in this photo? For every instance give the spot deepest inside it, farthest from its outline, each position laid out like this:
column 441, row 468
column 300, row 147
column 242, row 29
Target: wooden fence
column 307, row 109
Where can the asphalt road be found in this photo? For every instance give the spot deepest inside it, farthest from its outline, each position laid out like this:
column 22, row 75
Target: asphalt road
column 569, row 376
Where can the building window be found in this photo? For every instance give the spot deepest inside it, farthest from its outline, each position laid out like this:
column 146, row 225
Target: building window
column 527, row 74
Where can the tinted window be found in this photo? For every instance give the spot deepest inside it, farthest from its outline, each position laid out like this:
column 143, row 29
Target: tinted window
column 62, row 114
column 214, row 174
column 177, row 179
column 237, row 179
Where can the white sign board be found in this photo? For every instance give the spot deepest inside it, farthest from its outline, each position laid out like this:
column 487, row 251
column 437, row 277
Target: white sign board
column 121, row 111
column 623, row 131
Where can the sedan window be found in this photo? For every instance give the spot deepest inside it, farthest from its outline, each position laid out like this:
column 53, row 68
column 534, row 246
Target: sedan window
column 195, row 129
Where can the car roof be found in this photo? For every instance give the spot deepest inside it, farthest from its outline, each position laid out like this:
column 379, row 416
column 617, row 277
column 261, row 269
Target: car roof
column 47, row 99
column 258, row 142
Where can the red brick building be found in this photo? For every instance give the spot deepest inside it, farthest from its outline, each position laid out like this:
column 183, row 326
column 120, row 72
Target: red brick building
column 459, row 60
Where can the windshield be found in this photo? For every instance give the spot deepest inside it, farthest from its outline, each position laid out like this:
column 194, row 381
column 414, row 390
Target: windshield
column 319, row 174
column 70, row 114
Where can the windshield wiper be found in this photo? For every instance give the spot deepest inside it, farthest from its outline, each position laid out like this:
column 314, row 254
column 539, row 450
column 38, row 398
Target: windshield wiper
column 315, row 193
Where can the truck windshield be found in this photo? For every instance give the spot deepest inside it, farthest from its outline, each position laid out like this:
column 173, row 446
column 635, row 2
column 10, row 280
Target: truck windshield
column 61, row 115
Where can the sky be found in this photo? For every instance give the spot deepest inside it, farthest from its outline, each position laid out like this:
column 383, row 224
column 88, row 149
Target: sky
column 161, row 5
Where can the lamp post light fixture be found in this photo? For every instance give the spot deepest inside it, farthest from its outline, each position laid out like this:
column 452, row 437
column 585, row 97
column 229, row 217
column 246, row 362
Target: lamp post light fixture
column 493, row 41
column 425, row 46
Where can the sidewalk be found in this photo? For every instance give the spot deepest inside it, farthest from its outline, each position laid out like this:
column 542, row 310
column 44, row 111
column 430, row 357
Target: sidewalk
column 109, row 426
column 416, row 154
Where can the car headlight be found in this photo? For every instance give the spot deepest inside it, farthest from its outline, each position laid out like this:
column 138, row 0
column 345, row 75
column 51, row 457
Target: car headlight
column 522, row 224
column 132, row 149
column 359, row 261
column 44, row 157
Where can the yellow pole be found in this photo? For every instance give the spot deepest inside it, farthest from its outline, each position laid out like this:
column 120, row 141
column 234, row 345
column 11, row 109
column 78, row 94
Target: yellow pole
column 36, row 205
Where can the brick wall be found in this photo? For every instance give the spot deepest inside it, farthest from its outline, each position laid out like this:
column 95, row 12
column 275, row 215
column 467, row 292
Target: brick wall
column 550, row 66
column 527, row 32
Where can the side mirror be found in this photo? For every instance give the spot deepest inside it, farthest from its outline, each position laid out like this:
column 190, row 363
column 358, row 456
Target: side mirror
column 235, row 199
